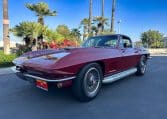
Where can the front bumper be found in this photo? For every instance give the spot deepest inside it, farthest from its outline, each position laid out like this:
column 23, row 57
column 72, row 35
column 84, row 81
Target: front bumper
column 48, row 80
column 27, row 76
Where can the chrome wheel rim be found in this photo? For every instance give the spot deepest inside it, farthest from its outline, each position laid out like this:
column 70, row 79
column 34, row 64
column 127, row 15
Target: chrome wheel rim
column 91, row 82
column 143, row 65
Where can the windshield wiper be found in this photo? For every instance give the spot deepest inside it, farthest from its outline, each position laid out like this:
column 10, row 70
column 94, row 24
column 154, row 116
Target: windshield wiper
column 102, row 46
column 98, row 46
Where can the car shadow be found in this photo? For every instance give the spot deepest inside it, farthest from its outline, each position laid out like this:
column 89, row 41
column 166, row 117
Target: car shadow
column 65, row 94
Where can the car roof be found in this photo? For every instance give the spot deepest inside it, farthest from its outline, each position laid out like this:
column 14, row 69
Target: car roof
column 112, row 35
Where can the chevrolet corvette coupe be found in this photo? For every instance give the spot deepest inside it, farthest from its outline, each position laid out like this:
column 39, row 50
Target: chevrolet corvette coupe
column 100, row 59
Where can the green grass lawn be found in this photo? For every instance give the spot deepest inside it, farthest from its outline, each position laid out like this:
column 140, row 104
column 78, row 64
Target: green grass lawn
column 6, row 60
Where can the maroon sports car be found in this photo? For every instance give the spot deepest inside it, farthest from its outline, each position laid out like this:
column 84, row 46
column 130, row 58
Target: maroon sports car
column 101, row 59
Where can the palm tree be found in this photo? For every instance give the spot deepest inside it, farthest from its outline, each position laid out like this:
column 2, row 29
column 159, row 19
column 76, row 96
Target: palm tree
column 76, row 34
column 100, row 22
column 113, row 16
column 90, row 16
column 85, row 23
column 102, row 14
column 41, row 10
column 6, row 39
column 94, row 31
column 29, row 31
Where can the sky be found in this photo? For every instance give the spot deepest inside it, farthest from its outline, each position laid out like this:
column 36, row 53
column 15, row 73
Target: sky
column 137, row 16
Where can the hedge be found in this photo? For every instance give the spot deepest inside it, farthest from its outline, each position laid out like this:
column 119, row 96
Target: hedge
column 6, row 60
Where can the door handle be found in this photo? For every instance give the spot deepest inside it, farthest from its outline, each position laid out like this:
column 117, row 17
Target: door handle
column 123, row 50
column 137, row 51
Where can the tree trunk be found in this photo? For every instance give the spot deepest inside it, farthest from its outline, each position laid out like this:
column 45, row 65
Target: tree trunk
column 113, row 16
column 6, row 40
column 84, row 33
column 102, row 14
column 90, row 16
column 41, row 20
column 40, row 37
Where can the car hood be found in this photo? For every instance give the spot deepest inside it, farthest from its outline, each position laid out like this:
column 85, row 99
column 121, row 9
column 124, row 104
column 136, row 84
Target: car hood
column 39, row 53
column 35, row 57
column 57, row 59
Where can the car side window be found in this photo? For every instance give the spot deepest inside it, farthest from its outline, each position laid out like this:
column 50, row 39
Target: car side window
column 111, row 43
column 92, row 42
column 125, row 42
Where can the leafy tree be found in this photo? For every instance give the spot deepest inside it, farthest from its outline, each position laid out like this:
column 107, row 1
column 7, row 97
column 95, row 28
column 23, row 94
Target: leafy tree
column 152, row 38
column 61, row 33
column 52, row 35
column 41, row 10
column 63, row 30
column 138, row 44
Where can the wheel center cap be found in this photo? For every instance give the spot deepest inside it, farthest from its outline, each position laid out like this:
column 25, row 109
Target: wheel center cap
column 91, row 80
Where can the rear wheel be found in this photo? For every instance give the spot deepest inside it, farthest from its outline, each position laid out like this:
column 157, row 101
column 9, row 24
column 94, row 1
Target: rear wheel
column 88, row 82
column 141, row 67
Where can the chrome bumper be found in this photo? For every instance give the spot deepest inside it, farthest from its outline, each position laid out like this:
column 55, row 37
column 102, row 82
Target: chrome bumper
column 43, row 79
column 48, row 80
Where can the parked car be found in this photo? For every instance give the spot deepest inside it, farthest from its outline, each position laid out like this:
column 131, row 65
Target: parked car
column 101, row 59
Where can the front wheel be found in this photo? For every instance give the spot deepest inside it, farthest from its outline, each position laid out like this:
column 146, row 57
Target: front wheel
column 141, row 66
column 88, row 82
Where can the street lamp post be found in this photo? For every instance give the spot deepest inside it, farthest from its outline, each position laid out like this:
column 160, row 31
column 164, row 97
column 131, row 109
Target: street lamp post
column 119, row 26
column 90, row 16
column 113, row 16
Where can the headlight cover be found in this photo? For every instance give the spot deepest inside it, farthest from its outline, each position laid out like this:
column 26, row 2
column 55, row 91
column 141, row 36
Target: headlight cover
column 56, row 56
column 19, row 61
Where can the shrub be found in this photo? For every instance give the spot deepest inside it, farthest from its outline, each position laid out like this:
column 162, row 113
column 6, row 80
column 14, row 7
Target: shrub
column 22, row 49
column 6, row 60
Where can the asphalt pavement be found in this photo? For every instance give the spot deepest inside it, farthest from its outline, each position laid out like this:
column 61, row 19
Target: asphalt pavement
column 133, row 97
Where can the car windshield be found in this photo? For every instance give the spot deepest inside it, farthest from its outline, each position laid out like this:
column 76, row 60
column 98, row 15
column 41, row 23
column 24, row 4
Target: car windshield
column 101, row 41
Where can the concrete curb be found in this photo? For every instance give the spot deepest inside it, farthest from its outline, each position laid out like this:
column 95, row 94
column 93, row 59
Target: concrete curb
column 158, row 55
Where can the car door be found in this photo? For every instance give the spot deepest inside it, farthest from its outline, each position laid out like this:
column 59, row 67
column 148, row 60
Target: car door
column 129, row 54
column 114, row 61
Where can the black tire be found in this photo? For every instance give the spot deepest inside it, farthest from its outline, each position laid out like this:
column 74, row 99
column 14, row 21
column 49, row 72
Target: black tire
column 21, row 76
column 88, row 82
column 141, row 66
